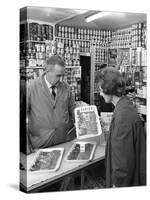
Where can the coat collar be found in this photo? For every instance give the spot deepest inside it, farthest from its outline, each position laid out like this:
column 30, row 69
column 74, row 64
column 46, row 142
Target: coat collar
column 124, row 100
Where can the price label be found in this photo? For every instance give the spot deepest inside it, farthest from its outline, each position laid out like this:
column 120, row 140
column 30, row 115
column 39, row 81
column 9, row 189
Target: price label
column 82, row 147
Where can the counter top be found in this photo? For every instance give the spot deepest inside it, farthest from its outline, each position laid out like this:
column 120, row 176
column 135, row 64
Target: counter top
column 33, row 180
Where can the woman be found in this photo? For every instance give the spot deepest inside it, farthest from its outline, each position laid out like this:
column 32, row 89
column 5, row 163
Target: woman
column 126, row 144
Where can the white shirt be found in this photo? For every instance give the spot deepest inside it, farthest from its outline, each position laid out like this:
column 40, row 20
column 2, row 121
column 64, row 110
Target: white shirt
column 49, row 85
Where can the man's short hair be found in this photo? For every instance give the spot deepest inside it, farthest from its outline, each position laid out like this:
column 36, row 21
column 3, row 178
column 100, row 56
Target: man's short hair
column 111, row 81
column 55, row 60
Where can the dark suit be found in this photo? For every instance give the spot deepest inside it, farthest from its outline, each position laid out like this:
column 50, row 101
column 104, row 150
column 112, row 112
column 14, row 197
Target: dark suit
column 126, row 147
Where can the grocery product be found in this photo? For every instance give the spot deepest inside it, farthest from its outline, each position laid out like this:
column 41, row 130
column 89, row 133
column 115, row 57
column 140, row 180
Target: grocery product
column 81, row 151
column 47, row 160
column 87, row 122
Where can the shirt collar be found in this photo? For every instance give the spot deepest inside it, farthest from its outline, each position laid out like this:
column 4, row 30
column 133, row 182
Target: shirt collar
column 49, row 85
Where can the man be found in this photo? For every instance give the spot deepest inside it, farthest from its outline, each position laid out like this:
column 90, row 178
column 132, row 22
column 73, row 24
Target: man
column 50, row 107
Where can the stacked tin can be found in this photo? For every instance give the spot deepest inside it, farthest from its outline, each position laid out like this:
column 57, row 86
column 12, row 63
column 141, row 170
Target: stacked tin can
column 144, row 36
column 83, row 34
column 40, row 32
column 100, row 54
column 72, row 52
column 33, row 54
column 36, row 52
column 136, row 35
column 60, row 47
column 70, row 49
column 73, row 78
column 121, row 38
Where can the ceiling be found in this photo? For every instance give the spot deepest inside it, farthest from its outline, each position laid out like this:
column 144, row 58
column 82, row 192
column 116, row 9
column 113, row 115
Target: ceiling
column 76, row 17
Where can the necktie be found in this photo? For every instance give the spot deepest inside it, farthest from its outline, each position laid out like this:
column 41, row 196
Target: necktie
column 53, row 91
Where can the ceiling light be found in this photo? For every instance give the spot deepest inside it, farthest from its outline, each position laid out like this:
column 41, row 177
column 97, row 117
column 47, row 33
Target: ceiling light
column 101, row 14
column 97, row 15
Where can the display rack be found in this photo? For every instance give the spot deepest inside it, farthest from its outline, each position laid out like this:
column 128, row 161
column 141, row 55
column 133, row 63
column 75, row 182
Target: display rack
column 103, row 47
column 73, row 78
column 34, row 39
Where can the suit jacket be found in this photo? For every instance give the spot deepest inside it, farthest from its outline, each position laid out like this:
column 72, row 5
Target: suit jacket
column 126, row 147
column 49, row 118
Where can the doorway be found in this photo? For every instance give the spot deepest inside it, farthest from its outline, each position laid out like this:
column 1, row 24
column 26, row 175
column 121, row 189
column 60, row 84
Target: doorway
column 85, row 62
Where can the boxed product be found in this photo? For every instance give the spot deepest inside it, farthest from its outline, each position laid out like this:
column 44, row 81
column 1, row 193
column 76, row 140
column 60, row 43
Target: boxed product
column 47, row 160
column 106, row 118
column 87, row 122
column 81, row 151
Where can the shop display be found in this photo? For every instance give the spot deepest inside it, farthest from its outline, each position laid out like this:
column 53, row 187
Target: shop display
column 139, row 56
column 87, row 122
column 121, row 38
column 106, row 118
column 123, row 57
column 112, row 57
column 50, row 48
column 35, row 47
column 29, row 74
column 36, row 44
column 47, row 160
column 132, row 37
column 84, row 46
column 136, row 35
column 70, row 50
column 40, row 32
column 35, row 53
column 101, row 55
column 73, row 78
column 81, row 151
column 82, row 33
column 144, row 36
column 110, row 47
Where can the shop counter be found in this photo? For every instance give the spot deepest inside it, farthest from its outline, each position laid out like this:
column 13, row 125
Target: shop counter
column 32, row 181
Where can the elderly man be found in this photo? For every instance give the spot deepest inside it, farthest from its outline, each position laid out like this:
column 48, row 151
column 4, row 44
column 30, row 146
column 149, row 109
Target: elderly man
column 50, row 107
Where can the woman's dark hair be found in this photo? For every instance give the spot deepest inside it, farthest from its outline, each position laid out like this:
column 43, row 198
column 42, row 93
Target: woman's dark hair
column 111, row 81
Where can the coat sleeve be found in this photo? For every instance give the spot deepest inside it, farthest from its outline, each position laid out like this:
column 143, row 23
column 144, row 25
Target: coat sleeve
column 140, row 149
column 122, row 150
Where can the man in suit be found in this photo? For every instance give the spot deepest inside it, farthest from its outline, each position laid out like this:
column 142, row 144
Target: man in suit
column 50, row 107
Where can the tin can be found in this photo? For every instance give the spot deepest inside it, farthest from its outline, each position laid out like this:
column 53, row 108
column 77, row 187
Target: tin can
column 69, row 30
column 79, row 31
column 59, row 28
column 66, row 35
column 62, row 28
column 66, row 29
